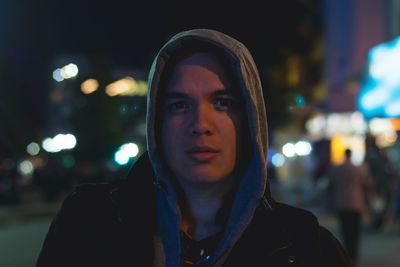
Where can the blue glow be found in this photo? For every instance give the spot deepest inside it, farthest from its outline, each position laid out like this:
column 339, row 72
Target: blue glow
column 375, row 98
column 121, row 157
column 380, row 90
column 278, row 160
column 57, row 75
column 125, row 153
column 271, row 153
column 393, row 109
column 299, row 99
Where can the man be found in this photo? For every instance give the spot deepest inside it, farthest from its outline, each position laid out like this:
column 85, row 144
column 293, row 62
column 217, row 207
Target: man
column 199, row 196
column 352, row 189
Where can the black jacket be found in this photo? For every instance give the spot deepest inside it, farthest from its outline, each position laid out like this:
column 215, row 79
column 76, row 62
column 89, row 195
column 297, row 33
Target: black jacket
column 114, row 224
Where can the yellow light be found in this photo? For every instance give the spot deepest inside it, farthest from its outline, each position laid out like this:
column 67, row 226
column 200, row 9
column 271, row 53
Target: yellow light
column 142, row 88
column 338, row 146
column 120, row 87
column 89, row 86
column 127, row 86
column 386, row 139
column 293, row 75
column 391, row 138
column 339, row 143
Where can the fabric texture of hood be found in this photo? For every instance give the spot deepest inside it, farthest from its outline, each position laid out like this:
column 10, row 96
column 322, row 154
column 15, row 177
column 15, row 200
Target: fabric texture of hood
column 253, row 186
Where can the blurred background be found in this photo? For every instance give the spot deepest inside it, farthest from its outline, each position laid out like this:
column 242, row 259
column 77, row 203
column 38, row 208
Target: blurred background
column 73, row 85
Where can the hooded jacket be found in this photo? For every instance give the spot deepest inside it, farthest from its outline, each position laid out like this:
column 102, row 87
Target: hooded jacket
column 254, row 182
column 142, row 211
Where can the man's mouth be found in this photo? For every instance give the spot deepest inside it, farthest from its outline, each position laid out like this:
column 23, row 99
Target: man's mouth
column 202, row 154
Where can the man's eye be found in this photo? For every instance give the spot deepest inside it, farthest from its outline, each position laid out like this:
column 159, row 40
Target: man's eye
column 224, row 103
column 177, row 106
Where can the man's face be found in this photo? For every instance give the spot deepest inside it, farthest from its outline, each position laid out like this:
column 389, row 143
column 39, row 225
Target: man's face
column 202, row 124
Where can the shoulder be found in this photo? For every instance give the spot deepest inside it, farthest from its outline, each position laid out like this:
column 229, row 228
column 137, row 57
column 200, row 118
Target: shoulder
column 81, row 215
column 306, row 233
column 331, row 250
column 295, row 216
column 301, row 226
column 85, row 201
column 91, row 188
column 90, row 192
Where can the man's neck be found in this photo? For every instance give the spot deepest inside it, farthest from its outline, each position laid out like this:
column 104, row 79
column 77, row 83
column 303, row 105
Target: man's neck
column 203, row 202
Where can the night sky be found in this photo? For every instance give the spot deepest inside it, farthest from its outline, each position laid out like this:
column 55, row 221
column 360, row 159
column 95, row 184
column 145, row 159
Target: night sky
column 127, row 34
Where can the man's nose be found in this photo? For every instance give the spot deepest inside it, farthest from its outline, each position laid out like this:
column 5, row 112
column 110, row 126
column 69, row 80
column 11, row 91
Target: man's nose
column 202, row 121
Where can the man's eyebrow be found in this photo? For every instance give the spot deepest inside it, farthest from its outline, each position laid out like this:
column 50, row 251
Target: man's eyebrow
column 223, row 92
column 173, row 95
column 219, row 92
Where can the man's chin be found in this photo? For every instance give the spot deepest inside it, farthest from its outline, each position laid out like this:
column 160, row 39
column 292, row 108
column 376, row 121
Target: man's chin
column 203, row 177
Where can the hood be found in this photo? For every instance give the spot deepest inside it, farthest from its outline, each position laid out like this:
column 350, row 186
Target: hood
column 253, row 186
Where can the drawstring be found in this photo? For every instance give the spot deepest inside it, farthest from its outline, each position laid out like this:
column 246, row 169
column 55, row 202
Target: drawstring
column 266, row 203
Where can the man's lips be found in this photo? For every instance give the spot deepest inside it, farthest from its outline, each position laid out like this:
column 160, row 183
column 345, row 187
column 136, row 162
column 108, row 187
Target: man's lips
column 197, row 149
column 202, row 153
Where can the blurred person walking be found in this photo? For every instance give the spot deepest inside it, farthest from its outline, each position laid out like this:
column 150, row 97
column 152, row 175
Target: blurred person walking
column 383, row 171
column 352, row 187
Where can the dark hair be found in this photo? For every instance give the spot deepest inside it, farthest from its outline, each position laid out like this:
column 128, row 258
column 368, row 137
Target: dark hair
column 348, row 152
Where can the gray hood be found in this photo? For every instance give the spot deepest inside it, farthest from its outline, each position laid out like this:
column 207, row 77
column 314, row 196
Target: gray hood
column 253, row 186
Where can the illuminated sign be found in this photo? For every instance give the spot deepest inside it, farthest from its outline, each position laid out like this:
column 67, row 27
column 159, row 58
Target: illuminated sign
column 380, row 91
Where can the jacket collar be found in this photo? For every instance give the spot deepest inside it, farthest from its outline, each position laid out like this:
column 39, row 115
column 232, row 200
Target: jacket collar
column 134, row 197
